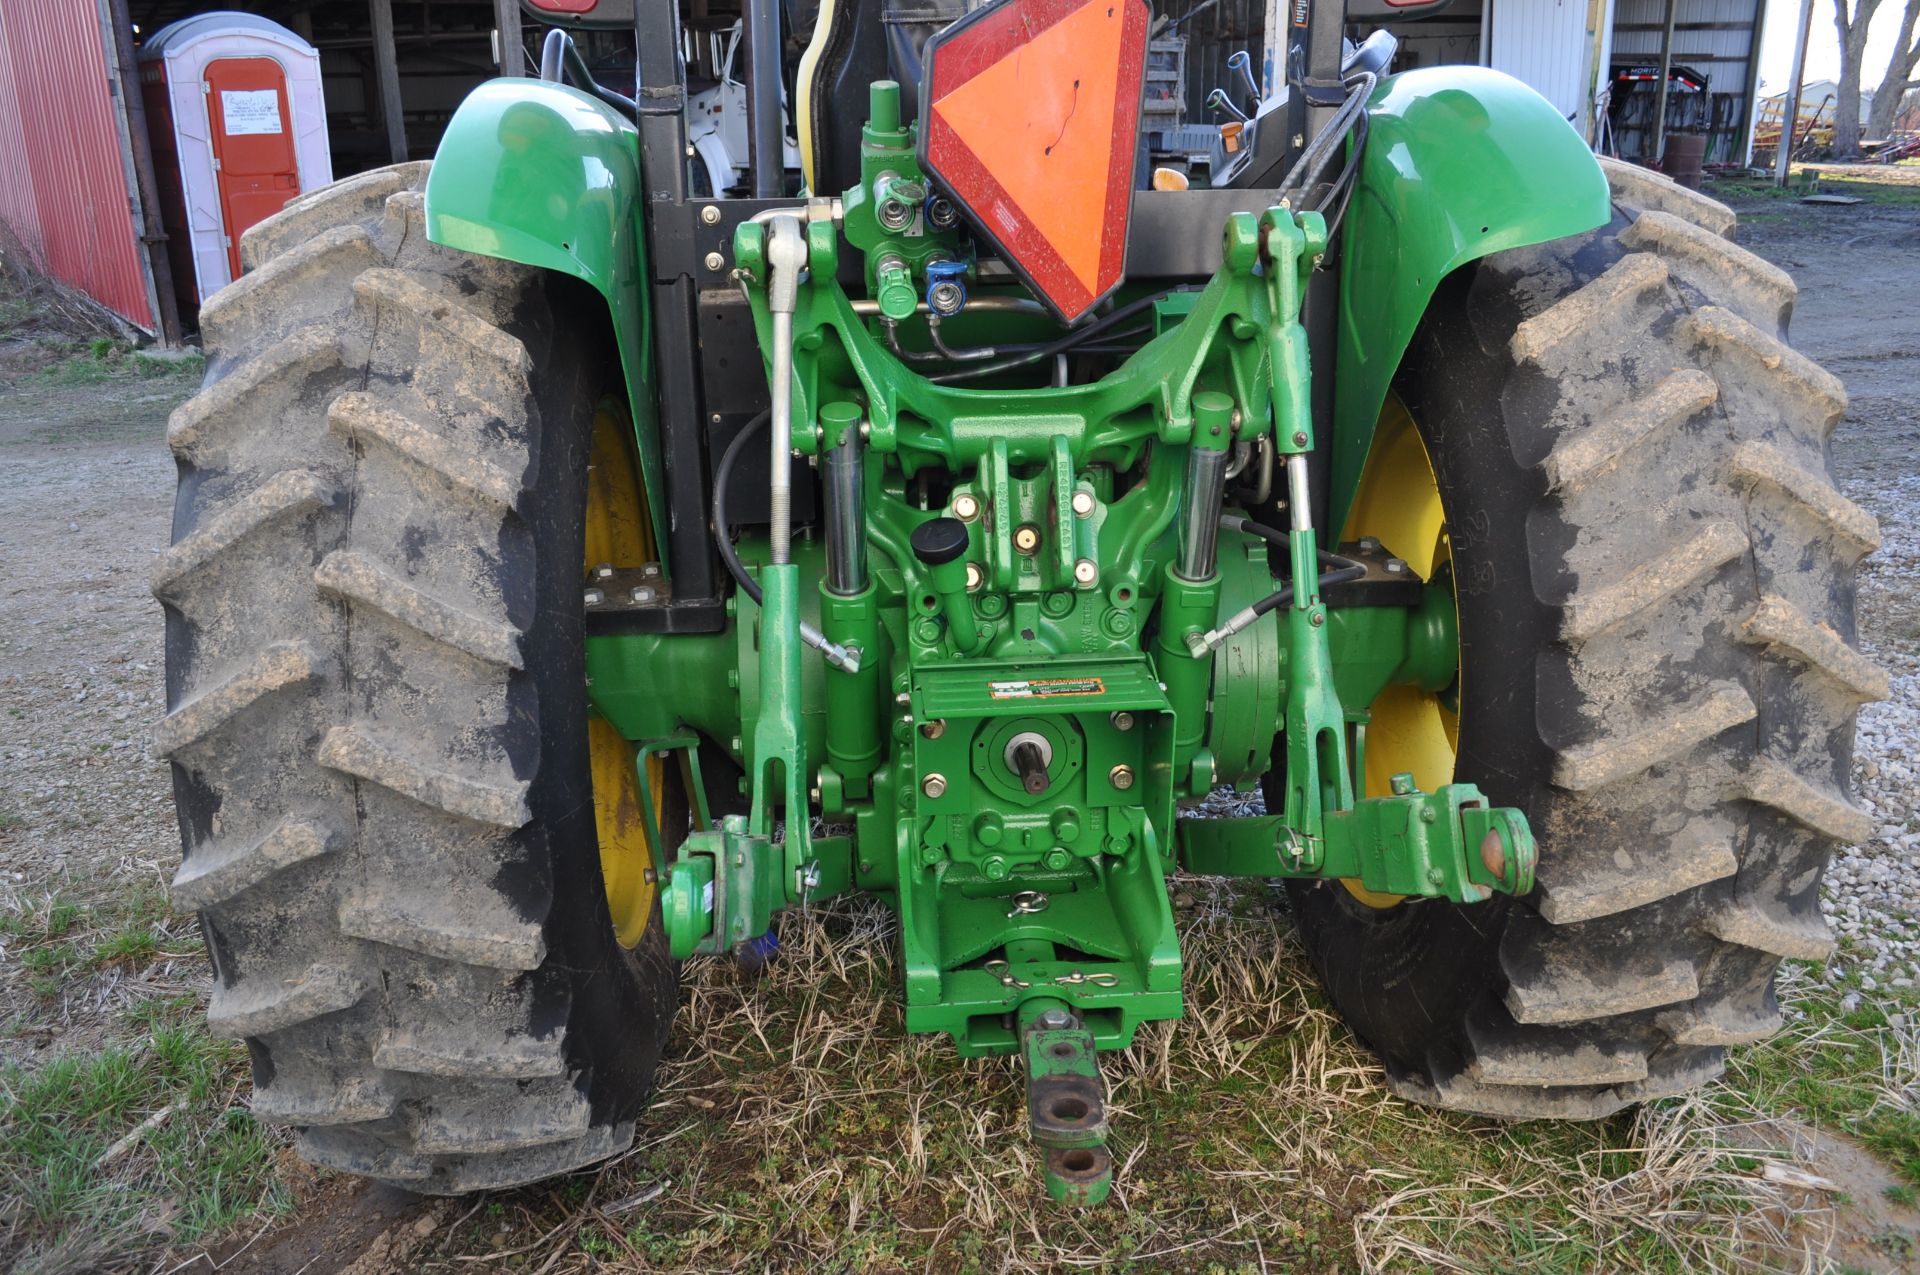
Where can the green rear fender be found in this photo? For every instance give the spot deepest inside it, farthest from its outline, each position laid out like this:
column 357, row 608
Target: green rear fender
column 547, row 176
column 1461, row 162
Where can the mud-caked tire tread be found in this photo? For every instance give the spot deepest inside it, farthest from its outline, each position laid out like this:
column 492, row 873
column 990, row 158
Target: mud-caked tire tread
column 1641, row 510
column 376, row 705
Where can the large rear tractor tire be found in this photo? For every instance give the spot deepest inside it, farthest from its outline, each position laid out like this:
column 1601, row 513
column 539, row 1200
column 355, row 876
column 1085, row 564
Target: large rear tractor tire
column 1655, row 582
column 378, row 722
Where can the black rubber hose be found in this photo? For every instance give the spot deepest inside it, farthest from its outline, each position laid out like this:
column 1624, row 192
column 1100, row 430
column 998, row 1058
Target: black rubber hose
column 1344, row 569
column 1341, row 191
column 1067, row 342
column 722, row 530
column 561, row 60
column 1284, row 594
column 553, row 56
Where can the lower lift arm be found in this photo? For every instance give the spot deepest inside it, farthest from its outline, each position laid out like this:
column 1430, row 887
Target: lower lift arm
column 1447, row 844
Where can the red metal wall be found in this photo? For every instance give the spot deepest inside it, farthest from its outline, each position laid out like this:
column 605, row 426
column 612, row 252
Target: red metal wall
column 63, row 180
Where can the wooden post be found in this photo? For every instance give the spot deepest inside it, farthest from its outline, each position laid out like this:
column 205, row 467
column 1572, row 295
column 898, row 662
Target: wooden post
column 146, row 192
column 1666, row 84
column 1790, row 119
column 1599, row 22
column 513, row 51
column 1752, row 102
column 387, row 63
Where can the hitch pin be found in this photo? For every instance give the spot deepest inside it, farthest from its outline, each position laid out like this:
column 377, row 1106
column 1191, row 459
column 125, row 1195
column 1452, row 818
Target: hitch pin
column 1004, row 972
column 1078, row 977
column 1026, row 902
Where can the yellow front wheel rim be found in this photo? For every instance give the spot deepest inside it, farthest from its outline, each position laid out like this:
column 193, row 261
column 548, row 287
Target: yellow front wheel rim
column 1409, row 731
column 619, row 534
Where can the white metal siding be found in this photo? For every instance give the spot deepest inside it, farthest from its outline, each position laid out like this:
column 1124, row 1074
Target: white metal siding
column 1723, row 56
column 1719, row 55
column 1545, row 44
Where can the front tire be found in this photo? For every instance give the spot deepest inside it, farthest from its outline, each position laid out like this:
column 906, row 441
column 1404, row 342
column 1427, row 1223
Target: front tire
column 1655, row 579
column 378, row 721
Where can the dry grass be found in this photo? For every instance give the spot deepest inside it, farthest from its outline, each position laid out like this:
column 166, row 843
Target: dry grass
column 797, row 1126
column 32, row 299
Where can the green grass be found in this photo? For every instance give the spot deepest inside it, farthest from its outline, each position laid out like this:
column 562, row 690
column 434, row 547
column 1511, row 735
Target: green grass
column 1886, row 194
column 58, row 939
column 83, row 401
column 796, row 1124
column 102, row 362
column 1257, row 1131
column 194, row 1172
column 1839, row 1069
column 135, row 943
column 90, row 392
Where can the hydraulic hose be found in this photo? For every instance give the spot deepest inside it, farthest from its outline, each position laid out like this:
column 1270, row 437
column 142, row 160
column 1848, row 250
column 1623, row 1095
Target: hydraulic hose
column 722, row 527
column 1069, row 341
column 839, row 656
column 1344, row 569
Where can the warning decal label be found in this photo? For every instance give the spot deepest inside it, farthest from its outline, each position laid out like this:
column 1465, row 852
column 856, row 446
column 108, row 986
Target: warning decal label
column 1044, row 688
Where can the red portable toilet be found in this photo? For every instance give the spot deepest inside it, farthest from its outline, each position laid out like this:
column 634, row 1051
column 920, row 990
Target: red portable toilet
column 239, row 127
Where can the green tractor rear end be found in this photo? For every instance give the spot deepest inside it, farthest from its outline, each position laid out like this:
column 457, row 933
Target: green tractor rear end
column 572, row 571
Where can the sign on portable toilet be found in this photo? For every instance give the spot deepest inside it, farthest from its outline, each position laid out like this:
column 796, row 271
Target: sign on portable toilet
column 239, row 127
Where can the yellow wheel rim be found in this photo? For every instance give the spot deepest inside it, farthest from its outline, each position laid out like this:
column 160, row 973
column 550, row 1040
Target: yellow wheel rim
column 619, row 533
column 1411, row 731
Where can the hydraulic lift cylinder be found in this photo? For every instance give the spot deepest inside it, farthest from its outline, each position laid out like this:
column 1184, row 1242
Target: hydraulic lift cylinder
column 1206, row 483
column 849, row 606
column 846, row 511
column 1191, row 601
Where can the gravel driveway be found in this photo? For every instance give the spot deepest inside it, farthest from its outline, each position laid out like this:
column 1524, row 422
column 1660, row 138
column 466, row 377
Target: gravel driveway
column 1858, row 268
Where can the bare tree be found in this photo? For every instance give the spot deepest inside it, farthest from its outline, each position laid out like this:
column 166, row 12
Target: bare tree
column 1852, row 29
column 1893, row 87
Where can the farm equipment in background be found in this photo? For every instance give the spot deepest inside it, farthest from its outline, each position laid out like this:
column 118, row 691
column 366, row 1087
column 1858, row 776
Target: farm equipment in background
column 573, row 571
column 1812, row 128
column 1897, row 149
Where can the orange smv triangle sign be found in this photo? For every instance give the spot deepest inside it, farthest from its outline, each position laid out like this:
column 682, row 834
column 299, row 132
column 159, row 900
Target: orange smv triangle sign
column 1030, row 110
column 1048, row 137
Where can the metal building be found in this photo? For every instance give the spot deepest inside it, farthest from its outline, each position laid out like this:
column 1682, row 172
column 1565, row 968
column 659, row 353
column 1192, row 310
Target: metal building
column 1598, row 61
column 67, row 179
column 78, row 190
column 1716, row 43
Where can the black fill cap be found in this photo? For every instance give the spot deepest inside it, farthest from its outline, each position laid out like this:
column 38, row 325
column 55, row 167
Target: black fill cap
column 940, row 541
